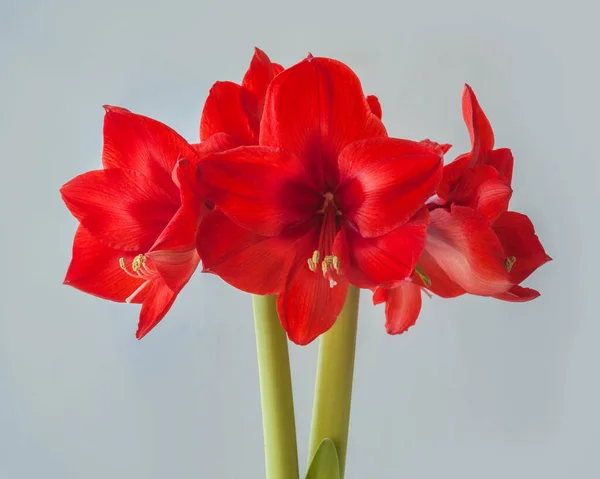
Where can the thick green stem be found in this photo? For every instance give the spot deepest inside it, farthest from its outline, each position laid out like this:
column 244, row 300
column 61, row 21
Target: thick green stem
column 279, row 429
column 333, row 390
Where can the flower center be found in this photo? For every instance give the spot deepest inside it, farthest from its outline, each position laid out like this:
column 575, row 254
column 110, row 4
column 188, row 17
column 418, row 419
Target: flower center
column 139, row 270
column 330, row 262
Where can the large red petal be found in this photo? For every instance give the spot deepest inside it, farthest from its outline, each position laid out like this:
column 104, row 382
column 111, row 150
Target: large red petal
column 518, row 294
column 156, row 305
column 385, row 181
column 480, row 130
column 402, row 307
column 254, row 87
column 224, row 113
column 385, row 259
column 517, row 235
column 121, row 208
column 261, row 189
column 309, row 306
column 95, row 270
column 253, row 263
column 174, row 253
column 138, row 143
column 464, row 245
column 330, row 112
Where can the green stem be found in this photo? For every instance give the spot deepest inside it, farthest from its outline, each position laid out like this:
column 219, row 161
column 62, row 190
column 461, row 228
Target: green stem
column 277, row 402
column 333, row 390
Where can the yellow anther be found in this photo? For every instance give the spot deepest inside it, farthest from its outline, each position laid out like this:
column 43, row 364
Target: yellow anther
column 423, row 276
column 138, row 262
column 311, row 265
column 335, row 261
column 331, row 260
column 316, row 256
column 509, row 262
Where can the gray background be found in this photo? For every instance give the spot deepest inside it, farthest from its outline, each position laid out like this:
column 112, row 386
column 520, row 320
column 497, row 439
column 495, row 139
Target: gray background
column 478, row 389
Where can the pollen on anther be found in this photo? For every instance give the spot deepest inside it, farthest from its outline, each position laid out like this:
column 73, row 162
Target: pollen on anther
column 509, row 262
column 138, row 262
column 122, row 263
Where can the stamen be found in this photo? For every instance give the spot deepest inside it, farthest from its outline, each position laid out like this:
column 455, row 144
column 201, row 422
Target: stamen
column 326, row 239
column 509, row 262
column 137, row 291
column 139, row 268
column 138, row 262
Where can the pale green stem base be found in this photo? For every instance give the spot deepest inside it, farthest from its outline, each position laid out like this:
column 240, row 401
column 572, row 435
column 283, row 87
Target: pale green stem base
column 333, row 390
column 279, row 429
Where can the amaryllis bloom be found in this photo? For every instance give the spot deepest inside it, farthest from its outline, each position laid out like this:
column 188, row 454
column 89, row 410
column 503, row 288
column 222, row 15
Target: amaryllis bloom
column 325, row 200
column 474, row 244
column 138, row 216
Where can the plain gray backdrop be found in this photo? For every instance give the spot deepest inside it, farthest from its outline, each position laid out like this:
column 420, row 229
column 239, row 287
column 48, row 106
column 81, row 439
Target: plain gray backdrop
column 477, row 389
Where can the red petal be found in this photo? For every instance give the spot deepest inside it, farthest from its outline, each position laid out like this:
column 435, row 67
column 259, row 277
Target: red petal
column 441, row 284
column 121, row 208
column 158, row 302
column 452, row 173
column 518, row 294
column 135, row 142
column 95, row 270
column 333, row 112
column 482, row 189
column 261, row 189
column 277, row 68
column 374, row 105
column 248, row 261
column 503, row 161
column 517, row 235
column 174, row 252
column 223, row 113
column 379, row 295
column 254, row 87
column 308, row 305
column 215, row 144
column 480, row 130
column 463, row 244
column 385, row 259
column 402, row 307
column 385, row 181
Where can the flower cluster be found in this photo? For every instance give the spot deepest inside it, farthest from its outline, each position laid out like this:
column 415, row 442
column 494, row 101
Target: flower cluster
column 297, row 190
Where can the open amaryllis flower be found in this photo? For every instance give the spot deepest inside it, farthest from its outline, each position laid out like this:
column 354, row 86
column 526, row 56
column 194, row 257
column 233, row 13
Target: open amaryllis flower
column 474, row 245
column 325, row 200
column 138, row 216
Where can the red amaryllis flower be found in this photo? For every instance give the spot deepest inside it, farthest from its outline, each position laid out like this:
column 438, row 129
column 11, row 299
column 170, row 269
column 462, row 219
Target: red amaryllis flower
column 474, row 245
column 138, row 216
column 325, row 200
